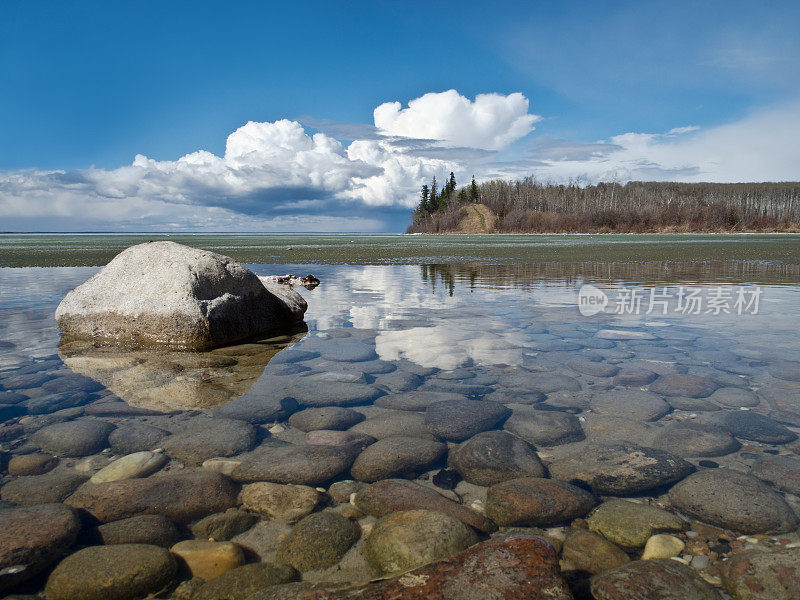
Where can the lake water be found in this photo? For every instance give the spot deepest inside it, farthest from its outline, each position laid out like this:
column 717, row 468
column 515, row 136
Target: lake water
column 695, row 330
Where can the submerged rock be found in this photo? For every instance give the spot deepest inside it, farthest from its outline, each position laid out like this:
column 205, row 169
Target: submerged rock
column 181, row 497
column 242, row 582
column 391, row 495
column 733, row 500
column 32, row 538
column 495, row 456
column 633, row 404
column 318, row 541
column 631, row 524
column 652, row 579
column 282, row 502
column 301, row 465
column 695, row 439
column 543, row 427
column 42, row 489
column 763, row 575
column 461, row 419
column 201, row 439
column 396, row 456
column 591, row 553
column 206, row 559
column 409, row 539
column 31, row 464
column 513, row 567
column 330, row 417
column 533, row 501
column 167, row 294
column 136, row 437
column 394, row 422
column 783, row 472
column 221, row 527
column 690, row 386
column 124, row 572
column 154, row 530
column 748, row 425
column 73, row 438
column 138, row 464
column 621, row 469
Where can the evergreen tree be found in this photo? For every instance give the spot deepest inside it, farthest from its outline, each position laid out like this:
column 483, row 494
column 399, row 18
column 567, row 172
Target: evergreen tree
column 424, row 207
column 434, row 201
column 474, row 193
column 451, row 185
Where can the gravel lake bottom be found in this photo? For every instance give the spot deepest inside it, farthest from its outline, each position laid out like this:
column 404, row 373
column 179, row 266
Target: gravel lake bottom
column 610, row 416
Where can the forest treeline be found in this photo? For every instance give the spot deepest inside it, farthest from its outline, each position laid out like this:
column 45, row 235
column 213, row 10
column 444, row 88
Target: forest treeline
column 528, row 206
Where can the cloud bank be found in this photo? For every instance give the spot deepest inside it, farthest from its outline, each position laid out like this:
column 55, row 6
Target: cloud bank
column 279, row 176
column 491, row 122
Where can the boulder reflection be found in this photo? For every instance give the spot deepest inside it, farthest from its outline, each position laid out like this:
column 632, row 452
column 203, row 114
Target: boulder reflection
column 169, row 381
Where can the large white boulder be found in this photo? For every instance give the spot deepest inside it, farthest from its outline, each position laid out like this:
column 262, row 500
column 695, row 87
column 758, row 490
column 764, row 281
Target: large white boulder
column 167, row 294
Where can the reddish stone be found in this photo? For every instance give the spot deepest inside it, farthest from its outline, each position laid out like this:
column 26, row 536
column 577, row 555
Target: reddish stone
column 514, row 567
column 763, row 575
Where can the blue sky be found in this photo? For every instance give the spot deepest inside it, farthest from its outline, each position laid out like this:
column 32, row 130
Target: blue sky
column 614, row 90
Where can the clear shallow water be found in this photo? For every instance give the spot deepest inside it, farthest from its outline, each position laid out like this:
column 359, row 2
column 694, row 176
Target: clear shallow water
column 487, row 329
column 451, row 305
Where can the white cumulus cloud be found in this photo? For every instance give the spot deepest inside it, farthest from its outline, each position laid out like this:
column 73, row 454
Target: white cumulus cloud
column 491, row 121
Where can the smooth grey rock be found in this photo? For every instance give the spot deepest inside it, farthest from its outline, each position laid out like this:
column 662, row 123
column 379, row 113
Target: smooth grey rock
column 734, row 397
column 182, row 497
column 53, row 402
column 348, row 351
column 594, row 369
column 635, row 377
column 223, row 526
column 310, row 392
column 242, row 582
column 138, row 464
